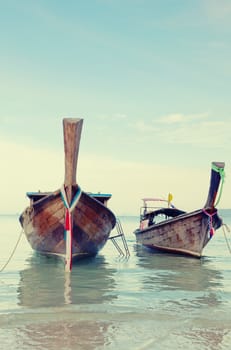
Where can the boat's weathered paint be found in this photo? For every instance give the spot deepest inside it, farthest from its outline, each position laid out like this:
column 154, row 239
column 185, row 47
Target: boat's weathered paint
column 186, row 233
column 43, row 223
column 91, row 222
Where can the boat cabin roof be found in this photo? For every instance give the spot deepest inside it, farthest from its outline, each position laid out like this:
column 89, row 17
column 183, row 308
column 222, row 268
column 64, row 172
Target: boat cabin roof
column 154, row 199
column 154, row 202
column 171, row 212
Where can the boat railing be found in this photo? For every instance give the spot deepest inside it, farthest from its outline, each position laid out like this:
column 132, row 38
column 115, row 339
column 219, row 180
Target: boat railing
column 144, row 210
column 120, row 234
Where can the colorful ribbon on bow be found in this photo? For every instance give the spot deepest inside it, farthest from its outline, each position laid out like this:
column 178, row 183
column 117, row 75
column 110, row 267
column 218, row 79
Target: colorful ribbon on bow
column 68, row 224
column 210, row 223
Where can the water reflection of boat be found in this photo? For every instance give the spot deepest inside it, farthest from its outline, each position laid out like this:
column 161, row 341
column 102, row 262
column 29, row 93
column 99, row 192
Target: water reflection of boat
column 182, row 274
column 45, row 284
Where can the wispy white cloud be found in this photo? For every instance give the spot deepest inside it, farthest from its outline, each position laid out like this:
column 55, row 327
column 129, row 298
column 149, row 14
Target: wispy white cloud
column 181, row 118
column 172, row 118
column 112, row 117
column 196, row 129
column 120, row 116
column 209, row 135
column 143, row 126
column 218, row 9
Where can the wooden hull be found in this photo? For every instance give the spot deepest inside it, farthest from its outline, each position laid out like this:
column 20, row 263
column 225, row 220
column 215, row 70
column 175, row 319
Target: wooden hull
column 185, row 234
column 44, row 225
column 181, row 232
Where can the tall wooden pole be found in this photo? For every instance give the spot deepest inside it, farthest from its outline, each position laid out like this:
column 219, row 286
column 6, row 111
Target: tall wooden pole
column 72, row 133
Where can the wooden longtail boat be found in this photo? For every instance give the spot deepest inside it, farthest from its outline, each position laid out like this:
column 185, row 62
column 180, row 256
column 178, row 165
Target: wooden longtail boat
column 168, row 229
column 68, row 223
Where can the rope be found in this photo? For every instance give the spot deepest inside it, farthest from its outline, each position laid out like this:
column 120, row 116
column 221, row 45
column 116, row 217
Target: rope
column 75, row 200
column 221, row 172
column 13, row 251
column 210, row 222
column 227, row 242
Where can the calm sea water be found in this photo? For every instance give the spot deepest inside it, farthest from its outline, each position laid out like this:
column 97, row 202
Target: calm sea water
column 149, row 301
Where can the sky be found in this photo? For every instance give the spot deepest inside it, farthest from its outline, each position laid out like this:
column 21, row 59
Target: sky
column 151, row 80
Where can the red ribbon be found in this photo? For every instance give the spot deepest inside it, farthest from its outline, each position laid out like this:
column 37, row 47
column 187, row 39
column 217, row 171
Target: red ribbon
column 67, row 220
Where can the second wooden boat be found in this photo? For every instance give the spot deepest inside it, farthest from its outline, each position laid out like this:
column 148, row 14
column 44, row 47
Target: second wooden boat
column 168, row 229
column 68, row 223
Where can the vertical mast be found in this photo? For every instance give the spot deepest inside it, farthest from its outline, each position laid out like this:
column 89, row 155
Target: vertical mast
column 72, row 132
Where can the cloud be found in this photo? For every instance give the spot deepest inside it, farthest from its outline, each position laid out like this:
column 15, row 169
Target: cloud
column 195, row 129
column 218, row 9
column 113, row 117
column 206, row 134
column 179, row 118
column 172, row 118
column 142, row 126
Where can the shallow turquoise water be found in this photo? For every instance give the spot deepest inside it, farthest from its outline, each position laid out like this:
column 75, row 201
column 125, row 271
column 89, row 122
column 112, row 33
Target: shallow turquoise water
column 149, row 301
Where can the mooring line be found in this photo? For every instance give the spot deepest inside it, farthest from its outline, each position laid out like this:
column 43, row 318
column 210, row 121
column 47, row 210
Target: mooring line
column 228, row 230
column 13, row 251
